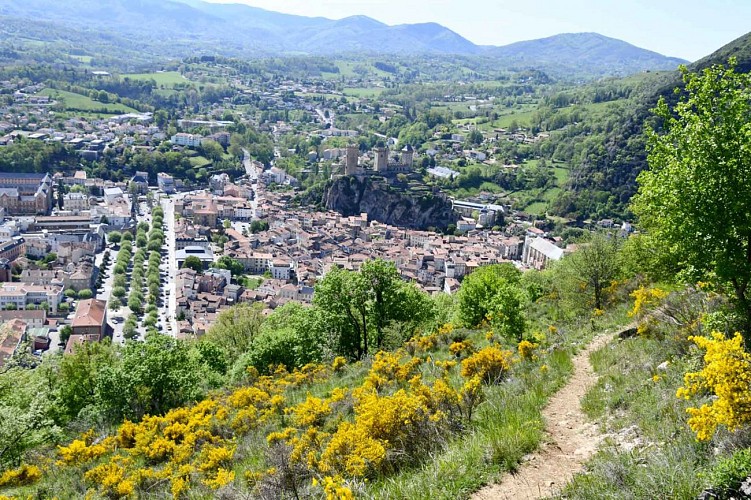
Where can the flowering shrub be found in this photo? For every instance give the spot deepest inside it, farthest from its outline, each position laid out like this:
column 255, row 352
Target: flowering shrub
column 645, row 297
column 526, row 349
column 387, row 368
column 22, row 476
column 445, row 366
column 353, row 451
column 187, row 446
column 312, row 411
column 444, row 333
column 470, row 396
column 491, row 364
column 424, row 343
column 339, row 363
column 460, row 348
column 727, row 375
column 82, row 451
column 393, row 417
column 335, row 489
column 111, row 479
column 221, row 478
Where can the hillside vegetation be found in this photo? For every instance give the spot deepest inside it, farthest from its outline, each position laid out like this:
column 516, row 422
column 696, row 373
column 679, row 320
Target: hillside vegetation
column 455, row 402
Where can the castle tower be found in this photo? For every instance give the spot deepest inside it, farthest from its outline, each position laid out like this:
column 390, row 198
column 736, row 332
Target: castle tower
column 382, row 160
column 408, row 156
column 350, row 165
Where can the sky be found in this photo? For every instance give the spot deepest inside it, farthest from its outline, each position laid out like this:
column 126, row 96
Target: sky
column 689, row 29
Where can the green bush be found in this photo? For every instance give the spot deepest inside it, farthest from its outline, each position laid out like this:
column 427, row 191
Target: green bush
column 269, row 348
column 728, row 474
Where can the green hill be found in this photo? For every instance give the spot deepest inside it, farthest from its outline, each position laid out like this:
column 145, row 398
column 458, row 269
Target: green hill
column 607, row 150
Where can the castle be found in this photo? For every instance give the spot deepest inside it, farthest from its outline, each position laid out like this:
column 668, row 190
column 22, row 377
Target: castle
column 383, row 164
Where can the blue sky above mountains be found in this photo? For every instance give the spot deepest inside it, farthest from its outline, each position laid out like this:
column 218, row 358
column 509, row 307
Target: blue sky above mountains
column 689, row 29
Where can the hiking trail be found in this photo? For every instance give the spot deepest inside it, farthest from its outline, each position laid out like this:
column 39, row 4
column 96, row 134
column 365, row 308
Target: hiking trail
column 570, row 438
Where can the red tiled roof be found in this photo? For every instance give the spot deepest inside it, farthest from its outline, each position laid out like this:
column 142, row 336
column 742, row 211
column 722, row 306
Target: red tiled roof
column 90, row 312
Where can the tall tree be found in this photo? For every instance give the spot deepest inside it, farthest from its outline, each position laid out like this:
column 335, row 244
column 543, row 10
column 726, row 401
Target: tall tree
column 695, row 198
column 478, row 291
column 29, row 411
column 194, row 263
column 358, row 307
column 235, row 329
column 593, row 268
column 342, row 298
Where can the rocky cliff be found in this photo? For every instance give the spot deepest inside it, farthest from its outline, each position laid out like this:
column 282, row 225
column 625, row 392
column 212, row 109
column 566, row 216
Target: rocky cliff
column 403, row 207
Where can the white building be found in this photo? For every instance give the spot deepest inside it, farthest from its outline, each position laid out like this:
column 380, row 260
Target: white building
column 8, row 230
column 76, row 202
column 281, row 269
column 111, row 194
column 22, row 295
column 538, row 252
column 276, row 175
column 466, row 224
column 217, row 183
column 205, row 255
column 243, row 212
column 189, row 140
column 165, row 182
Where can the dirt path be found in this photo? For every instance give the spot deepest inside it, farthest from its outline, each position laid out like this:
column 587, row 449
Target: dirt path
column 570, row 439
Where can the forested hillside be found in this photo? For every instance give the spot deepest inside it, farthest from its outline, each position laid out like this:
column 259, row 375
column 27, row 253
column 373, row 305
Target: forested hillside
column 607, row 147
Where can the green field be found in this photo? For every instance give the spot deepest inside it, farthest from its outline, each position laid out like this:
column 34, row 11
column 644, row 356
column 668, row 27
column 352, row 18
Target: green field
column 80, row 102
column 536, row 208
column 364, row 91
column 200, row 161
column 347, row 70
column 162, row 78
column 561, row 174
column 83, row 59
column 522, row 118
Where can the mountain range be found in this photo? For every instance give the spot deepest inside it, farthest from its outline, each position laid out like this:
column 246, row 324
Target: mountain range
column 178, row 28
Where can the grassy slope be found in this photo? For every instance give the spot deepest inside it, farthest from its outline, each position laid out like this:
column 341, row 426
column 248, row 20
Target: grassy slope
column 509, row 425
column 371, row 92
column 200, row 161
column 505, row 428
column 167, row 78
column 80, row 102
column 650, row 449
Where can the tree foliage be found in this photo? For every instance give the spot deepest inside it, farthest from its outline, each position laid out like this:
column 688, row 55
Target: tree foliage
column 235, row 329
column 150, row 378
column 480, row 289
column 591, row 269
column 194, row 263
column 358, row 307
column 28, row 412
column 695, row 198
column 232, row 265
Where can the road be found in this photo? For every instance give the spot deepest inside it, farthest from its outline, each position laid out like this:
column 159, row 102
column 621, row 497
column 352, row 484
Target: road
column 250, row 170
column 106, row 294
column 322, row 115
column 168, row 205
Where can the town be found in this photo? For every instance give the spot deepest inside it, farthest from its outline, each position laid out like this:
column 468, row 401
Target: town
column 84, row 258
column 382, row 250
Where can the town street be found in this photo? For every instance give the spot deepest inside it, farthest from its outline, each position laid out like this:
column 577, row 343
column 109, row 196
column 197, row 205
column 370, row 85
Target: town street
column 168, row 204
